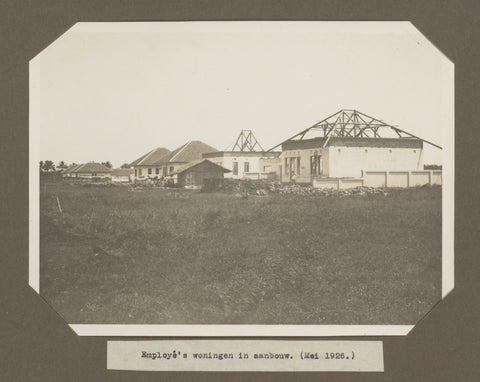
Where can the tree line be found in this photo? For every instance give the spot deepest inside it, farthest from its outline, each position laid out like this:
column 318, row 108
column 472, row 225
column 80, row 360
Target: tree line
column 50, row 166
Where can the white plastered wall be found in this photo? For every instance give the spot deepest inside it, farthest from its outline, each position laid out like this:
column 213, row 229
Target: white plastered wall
column 350, row 161
column 227, row 162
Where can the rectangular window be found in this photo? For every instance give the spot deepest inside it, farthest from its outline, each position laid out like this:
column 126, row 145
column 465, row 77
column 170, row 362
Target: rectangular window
column 157, row 171
column 235, row 168
column 292, row 166
column 246, row 167
column 139, row 172
column 135, row 172
column 298, row 165
column 149, row 171
column 316, row 165
column 171, row 169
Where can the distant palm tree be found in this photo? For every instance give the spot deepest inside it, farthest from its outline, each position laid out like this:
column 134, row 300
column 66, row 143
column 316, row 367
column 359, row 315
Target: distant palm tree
column 125, row 165
column 48, row 165
column 107, row 164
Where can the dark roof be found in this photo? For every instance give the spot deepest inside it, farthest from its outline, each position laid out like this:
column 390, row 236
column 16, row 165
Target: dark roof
column 188, row 152
column 196, row 163
column 91, row 167
column 151, row 157
column 352, row 142
column 122, row 171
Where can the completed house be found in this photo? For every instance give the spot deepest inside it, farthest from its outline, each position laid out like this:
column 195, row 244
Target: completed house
column 88, row 170
column 161, row 162
column 145, row 166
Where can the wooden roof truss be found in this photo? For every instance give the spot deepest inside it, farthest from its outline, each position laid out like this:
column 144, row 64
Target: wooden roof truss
column 246, row 141
column 354, row 124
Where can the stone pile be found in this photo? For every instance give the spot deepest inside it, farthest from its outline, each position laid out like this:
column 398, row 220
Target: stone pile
column 266, row 187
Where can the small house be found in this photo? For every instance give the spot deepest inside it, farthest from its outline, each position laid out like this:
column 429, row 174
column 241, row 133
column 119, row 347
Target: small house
column 90, row 170
column 194, row 173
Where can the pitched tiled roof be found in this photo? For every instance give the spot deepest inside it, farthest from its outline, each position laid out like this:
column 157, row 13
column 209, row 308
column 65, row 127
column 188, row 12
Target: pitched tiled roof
column 91, row 167
column 151, row 157
column 196, row 163
column 188, row 152
column 71, row 168
column 122, row 171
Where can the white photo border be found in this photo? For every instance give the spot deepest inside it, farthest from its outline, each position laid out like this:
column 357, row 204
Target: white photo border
column 448, row 201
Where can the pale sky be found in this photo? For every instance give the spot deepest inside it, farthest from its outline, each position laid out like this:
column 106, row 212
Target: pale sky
column 114, row 91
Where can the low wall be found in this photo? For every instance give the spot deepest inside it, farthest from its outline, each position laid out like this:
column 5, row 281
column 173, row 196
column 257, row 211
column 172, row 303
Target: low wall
column 374, row 178
column 402, row 179
column 393, row 179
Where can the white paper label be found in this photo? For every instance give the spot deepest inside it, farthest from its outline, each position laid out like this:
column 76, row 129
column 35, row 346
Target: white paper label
column 245, row 355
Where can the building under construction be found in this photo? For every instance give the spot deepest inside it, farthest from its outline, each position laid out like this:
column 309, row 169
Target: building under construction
column 244, row 159
column 347, row 144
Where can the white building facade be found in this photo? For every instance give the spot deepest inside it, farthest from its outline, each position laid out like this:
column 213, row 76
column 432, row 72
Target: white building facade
column 343, row 157
column 242, row 164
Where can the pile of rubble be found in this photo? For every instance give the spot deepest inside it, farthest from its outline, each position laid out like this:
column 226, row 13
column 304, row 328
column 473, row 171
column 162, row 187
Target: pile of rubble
column 266, row 187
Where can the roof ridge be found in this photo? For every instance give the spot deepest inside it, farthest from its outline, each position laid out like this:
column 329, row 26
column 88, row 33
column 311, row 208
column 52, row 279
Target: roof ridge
column 179, row 151
column 79, row 167
column 146, row 156
column 97, row 167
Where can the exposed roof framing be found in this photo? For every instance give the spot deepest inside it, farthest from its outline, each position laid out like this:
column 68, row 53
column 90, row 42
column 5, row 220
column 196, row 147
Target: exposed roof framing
column 353, row 124
column 246, row 141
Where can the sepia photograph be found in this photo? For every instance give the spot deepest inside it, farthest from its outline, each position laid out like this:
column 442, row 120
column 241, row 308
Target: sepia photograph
column 255, row 176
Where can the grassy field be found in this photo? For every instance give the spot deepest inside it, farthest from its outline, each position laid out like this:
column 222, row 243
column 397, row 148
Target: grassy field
column 184, row 257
